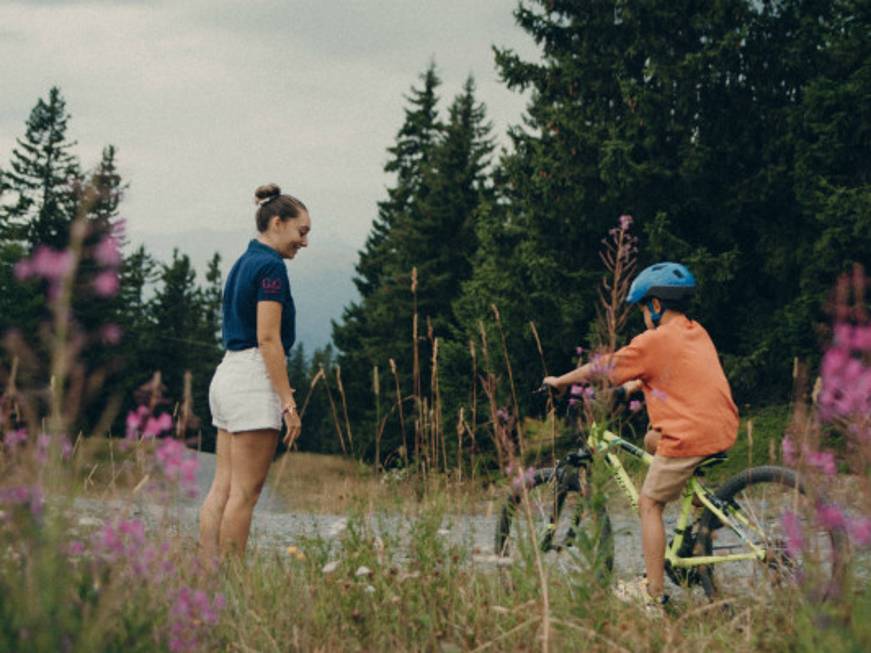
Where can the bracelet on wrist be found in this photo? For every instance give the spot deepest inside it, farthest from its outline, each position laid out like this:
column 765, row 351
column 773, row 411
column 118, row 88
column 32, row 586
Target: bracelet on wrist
column 289, row 409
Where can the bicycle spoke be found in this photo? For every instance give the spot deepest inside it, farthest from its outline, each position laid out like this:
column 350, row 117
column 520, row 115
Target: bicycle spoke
column 763, row 501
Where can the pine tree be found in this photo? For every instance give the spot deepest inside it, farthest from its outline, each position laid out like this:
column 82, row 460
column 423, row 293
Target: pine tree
column 136, row 324
column 109, row 186
column 212, row 299
column 379, row 326
column 679, row 113
column 409, row 157
column 44, row 176
column 178, row 340
column 438, row 235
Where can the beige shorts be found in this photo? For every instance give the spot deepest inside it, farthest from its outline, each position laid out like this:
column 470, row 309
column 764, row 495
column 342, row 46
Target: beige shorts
column 666, row 477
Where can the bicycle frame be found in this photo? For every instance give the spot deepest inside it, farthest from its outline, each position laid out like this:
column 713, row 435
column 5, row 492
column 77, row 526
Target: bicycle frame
column 603, row 441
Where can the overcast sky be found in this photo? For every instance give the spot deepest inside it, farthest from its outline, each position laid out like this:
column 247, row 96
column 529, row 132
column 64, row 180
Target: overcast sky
column 207, row 99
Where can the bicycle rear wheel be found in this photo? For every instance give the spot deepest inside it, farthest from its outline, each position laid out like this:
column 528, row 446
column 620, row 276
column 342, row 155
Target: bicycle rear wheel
column 764, row 496
column 562, row 516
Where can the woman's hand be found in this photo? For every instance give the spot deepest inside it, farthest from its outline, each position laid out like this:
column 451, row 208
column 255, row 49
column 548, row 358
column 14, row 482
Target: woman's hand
column 293, row 423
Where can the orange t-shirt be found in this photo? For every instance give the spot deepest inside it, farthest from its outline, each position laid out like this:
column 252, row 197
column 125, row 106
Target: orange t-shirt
column 688, row 397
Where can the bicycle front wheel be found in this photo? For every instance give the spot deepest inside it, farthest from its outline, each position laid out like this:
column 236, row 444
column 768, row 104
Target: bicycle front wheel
column 560, row 516
column 779, row 519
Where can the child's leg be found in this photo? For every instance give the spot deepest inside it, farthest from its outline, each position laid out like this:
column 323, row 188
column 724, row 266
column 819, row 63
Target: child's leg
column 653, row 543
column 664, row 482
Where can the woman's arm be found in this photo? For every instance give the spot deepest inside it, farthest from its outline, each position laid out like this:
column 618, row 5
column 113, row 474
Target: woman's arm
column 269, row 343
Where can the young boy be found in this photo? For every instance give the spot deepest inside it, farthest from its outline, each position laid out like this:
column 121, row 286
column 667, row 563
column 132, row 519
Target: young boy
column 689, row 403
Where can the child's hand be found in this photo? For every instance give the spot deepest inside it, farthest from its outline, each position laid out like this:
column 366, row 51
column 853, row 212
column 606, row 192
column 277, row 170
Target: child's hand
column 631, row 387
column 552, row 381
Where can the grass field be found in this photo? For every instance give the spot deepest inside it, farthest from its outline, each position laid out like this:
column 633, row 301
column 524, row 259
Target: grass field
column 120, row 584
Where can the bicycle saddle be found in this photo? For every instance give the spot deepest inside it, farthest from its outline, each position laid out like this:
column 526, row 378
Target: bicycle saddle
column 710, row 461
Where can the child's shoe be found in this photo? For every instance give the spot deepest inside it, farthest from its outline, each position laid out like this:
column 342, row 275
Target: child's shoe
column 635, row 591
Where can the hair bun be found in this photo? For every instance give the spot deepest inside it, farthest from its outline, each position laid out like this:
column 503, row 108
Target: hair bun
column 265, row 193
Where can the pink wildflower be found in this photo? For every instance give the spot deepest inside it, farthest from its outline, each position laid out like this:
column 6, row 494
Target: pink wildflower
column 525, row 478
column 178, row 465
column 111, row 333
column 106, row 284
column 794, row 533
column 155, row 426
column 830, row 517
column 634, row 405
column 579, row 350
column 75, row 548
column 24, row 495
column 13, row 438
column 191, row 613
column 857, row 338
column 106, row 252
column 790, row 456
column 860, row 531
column 576, row 390
column 15, row 495
column 133, row 529
column 109, row 542
column 625, row 222
column 66, row 448
column 124, row 539
column 824, row 461
column 23, row 269
column 589, row 393
column 862, row 338
column 43, row 442
column 49, row 263
column 135, row 420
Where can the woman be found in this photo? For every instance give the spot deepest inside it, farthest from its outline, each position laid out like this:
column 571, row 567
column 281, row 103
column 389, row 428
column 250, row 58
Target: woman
column 250, row 394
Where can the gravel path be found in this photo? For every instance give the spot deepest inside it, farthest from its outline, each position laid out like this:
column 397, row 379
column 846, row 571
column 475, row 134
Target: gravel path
column 275, row 526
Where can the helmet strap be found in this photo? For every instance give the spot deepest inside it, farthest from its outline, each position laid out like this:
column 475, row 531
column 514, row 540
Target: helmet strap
column 655, row 316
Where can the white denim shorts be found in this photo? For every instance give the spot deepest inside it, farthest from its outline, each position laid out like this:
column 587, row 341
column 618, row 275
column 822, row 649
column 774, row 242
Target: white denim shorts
column 241, row 396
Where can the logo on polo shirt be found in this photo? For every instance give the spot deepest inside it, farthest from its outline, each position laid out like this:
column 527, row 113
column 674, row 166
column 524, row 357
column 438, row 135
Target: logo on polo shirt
column 271, row 285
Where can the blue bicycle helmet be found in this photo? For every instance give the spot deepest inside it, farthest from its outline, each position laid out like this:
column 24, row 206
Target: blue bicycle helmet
column 668, row 281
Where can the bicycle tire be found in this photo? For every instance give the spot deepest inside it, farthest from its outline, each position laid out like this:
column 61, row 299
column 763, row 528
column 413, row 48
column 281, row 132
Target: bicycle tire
column 755, row 480
column 604, row 540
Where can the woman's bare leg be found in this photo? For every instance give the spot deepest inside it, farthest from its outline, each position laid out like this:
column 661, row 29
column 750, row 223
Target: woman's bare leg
column 252, row 453
column 213, row 506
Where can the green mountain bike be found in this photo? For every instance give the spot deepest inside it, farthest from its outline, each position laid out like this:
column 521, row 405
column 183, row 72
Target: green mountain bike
column 737, row 529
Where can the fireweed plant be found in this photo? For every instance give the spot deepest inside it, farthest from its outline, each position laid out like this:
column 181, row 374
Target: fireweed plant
column 587, row 570
column 829, row 442
column 68, row 581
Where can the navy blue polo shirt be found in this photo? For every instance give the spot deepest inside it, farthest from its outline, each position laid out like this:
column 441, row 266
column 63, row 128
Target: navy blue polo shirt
column 259, row 275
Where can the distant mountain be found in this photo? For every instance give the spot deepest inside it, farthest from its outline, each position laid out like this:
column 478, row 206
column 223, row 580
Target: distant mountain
column 320, row 275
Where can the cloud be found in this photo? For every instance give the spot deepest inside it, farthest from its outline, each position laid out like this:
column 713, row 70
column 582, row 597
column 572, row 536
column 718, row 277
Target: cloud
column 72, row 3
column 207, row 99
